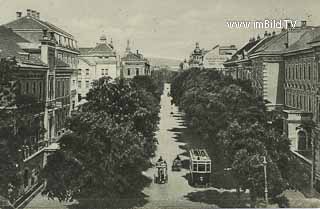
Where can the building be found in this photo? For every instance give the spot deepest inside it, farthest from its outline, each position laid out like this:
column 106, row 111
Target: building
column 196, row 57
column 284, row 69
column 96, row 62
column 215, row 58
column 32, row 75
column 302, row 96
column 134, row 64
column 47, row 56
column 65, row 49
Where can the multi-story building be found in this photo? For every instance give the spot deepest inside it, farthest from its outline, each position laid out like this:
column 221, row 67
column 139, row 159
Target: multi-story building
column 32, row 77
column 134, row 64
column 49, row 56
column 96, row 62
column 284, row 69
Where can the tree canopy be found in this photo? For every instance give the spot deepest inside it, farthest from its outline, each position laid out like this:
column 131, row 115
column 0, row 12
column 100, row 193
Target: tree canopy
column 235, row 124
column 111, row 142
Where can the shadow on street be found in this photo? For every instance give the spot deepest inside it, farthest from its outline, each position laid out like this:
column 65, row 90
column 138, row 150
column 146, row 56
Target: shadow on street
column 222, row 199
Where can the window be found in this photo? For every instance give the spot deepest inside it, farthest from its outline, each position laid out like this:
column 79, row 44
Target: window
column 27, row 87
column 195, row 167
column 310, row 104
column 34, row 87
column 201, row 167
column 87, row 71
column 128, row 71
column 137, row 71
column 62, row 89
column 87, row 84
column 300, row 72
column 73, row 83
column 289, row 73
column 304, row 71
column 106, row 71
column 102, row 71
column 208, row 167
column 79, row 84
column 79, row 72
column 309, row 72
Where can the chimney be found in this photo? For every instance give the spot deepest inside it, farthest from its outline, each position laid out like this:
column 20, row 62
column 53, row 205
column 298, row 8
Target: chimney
column 38, row 15
column 28, row 12
column 19, row 14
column 52, row 36
column 33, row 13
column 303, row 23
column 45, row 34
column 137, row 51
column 258, row 37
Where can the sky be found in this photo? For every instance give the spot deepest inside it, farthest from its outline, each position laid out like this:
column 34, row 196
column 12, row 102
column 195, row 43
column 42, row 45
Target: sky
column 162, row 28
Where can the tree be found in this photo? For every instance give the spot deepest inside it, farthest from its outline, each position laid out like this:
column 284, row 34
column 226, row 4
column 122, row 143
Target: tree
column 111, row 143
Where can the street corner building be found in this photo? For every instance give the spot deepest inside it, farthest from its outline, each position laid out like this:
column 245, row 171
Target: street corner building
column 284, row 69
column 47, row 58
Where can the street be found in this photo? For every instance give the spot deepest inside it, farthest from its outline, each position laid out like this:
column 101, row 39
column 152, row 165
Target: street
column 173, row 193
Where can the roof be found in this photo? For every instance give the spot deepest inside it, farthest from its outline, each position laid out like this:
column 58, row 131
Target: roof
column 199, row 154
column 133, row 57
column 29, row 22
column 304, row 40
column 84, row 51
column 102, row 49
column 9, row 46
column 241, row 52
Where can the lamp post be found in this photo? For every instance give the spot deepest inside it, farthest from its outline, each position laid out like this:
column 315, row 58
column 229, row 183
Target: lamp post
column 265, row 179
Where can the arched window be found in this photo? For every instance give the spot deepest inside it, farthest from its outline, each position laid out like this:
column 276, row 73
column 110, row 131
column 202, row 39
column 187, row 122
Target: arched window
column 137, row 71
column 302, row 140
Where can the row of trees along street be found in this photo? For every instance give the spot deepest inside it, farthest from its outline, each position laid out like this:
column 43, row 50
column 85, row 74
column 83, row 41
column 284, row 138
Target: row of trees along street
column 112, row 141
column 238, row 132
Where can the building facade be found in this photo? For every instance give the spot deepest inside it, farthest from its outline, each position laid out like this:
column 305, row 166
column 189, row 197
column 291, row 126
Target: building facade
column 284, row 69
column 49, row 56
column 96, row 62
column 134, row 64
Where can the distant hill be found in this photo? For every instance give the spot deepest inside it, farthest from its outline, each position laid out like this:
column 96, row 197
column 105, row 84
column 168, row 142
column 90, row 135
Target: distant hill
column 156, row 61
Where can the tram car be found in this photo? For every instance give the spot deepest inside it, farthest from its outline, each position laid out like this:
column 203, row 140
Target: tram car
column 200, row 168
column 161, row 176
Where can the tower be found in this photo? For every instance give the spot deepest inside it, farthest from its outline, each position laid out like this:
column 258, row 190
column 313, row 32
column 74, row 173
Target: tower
column 128, row 47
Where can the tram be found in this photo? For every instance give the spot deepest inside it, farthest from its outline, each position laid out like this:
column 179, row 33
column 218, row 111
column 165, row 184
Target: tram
column 200, row 167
